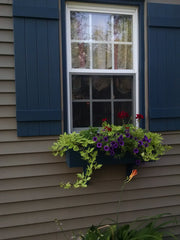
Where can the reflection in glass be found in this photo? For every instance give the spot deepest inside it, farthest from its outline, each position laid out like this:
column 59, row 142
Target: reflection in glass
column 122, row 106
column 122, row 86
column 102, row 56
column 101, row 110
column 101, row 87
column 123, row 56
column 81, row 114
column 101, row 27
column 80, row 87
column 79, row 26
column 80, row 55
column 123, row 28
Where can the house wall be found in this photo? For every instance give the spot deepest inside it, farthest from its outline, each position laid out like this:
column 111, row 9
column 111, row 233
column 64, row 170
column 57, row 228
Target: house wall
column 30, row 198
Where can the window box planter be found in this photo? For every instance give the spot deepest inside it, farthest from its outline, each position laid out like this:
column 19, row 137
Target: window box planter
column 74, row 159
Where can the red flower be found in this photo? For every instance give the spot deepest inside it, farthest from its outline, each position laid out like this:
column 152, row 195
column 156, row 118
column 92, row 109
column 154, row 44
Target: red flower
column 108, row 128
column 139, row 116
column 123, row 114
column 104, row 119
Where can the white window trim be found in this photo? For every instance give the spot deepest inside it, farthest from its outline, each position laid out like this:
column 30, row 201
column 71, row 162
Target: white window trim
column 102, row 8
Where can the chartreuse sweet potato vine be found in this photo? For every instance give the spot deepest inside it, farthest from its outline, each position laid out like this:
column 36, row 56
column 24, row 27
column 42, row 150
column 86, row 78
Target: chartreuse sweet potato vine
column 111, row 140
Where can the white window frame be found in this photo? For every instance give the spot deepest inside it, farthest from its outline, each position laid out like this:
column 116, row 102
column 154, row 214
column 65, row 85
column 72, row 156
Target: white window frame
column 102, row 8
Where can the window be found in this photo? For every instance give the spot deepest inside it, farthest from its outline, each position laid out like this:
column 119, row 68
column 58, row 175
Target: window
column 102, row 63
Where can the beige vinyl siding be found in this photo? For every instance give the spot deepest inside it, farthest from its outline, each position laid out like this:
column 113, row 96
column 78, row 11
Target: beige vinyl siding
column 30, row 198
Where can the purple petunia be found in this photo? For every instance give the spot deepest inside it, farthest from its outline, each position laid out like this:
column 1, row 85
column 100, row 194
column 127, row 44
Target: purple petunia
column 99, row 145
column 106, row 148
column 146, row 144
column 140, row 143
column 121, row 143
column 136, row 150
column 112, row 153
column 138, row 162
column 149, row 140
column 95, row 139
column 113, row 143
column 145, row 138
column 106, row 139
column 128, row 135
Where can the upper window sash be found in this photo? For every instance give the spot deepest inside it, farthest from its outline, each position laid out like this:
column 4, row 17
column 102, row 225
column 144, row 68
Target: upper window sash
column 109, row 9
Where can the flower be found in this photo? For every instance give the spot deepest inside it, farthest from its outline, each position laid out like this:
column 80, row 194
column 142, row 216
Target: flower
column 136, row 150
column 138, row 162
column 106, row 148
column 133, row 174
column 99, row 145
column 139, row 116
column 123, row 114
column 105, row 139
column 104, row 119
column 95, row 139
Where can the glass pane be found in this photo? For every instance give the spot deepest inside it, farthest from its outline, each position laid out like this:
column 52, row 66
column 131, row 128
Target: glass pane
column 79, row 26
column 101, row 27
column 122, row 86
column 101, row 110
column 122, row 106
column 102, row 56
column 123, row 28
column 80, row 55
column 80, row 87
column 81, row 114
column 123, row 56
column 101, row 87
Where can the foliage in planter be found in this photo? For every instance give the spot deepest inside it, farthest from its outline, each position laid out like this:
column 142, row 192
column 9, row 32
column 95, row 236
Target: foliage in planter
column 111, row 140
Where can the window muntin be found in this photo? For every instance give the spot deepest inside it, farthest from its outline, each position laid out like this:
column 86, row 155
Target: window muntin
column 102, row 63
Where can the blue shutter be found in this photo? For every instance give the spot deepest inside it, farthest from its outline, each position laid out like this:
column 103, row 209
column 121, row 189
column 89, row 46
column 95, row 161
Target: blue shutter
column 37, row 67
column 164, row 66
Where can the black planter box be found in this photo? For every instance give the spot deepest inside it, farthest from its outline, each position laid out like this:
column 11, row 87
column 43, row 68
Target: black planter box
column 74, row 159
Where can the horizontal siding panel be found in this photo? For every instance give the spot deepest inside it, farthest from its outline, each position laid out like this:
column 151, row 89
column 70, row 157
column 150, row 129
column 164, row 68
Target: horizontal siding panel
column 127, row 209
column 35, row 188
column 5, row 11
column 109, row 173
column 28, row 159
column 6, row 23
column 172, row 138
column 25, row 147
column 7, row 124
column 33, row 170
column 7, row 74
column 6, row 61
column 6, row 36
column 6, row 2
column 165, row 160
column 5, row 112
column 7, row 86
column 11, row 136
column 7, row 99
column 175, row 150
column 6, row 49
column 82, row 200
